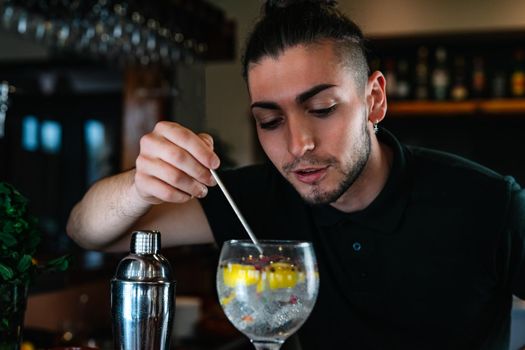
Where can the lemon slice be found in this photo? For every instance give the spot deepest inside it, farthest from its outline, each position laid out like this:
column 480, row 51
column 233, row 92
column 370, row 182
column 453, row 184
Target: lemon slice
column 277, row 275
column 240, row 275
column 282, row 275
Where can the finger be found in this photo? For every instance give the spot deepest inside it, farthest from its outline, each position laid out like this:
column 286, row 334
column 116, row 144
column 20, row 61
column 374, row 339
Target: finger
column 155, row 145
column 181, row 159
column 158, row 191
column 207, row 138
column 171, row 176
column 186, row 139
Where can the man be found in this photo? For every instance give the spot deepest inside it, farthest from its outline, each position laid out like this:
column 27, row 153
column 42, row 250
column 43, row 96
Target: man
column 417, row 249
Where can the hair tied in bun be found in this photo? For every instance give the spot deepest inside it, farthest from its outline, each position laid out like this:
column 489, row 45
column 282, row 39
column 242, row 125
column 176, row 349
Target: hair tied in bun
column 272, row 5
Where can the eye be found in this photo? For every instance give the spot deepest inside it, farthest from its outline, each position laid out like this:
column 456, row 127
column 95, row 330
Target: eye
column 322, row 112
column 271, row 124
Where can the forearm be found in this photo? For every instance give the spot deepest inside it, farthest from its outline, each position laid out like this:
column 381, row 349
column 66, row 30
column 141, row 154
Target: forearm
column 107, row 211
column 172, row 169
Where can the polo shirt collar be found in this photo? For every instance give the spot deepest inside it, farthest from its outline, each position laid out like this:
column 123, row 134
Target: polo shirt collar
column 386, row 210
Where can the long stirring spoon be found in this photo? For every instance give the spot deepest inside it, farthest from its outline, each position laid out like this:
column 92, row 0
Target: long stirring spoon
column 237, row 211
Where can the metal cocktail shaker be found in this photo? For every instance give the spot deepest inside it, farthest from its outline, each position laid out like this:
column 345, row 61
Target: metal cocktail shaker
column 142, row 296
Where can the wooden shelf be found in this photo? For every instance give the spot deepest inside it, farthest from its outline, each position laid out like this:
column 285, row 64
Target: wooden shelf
column 452, row 109
column 502, row 106
column 421, row 108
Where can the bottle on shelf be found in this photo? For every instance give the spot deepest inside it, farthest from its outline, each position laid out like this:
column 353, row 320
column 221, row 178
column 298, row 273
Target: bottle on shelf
column 403, row 80
column 441, row 75
column 391, row 78
column 517, row 86
column 459, row 91
column 499, row 84
column 421, row 92
column 479, row 80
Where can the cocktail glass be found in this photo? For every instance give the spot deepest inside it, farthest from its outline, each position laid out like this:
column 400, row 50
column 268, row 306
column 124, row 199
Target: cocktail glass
column 267, row 296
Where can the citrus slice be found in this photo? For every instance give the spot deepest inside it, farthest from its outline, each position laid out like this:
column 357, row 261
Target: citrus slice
column 240, row 275
column 282, row 275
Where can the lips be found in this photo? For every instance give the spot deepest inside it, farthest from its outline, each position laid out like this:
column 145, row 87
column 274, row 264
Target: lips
column 310, row 175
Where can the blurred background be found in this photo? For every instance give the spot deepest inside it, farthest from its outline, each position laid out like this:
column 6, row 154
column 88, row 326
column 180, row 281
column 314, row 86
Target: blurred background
column 82, row 81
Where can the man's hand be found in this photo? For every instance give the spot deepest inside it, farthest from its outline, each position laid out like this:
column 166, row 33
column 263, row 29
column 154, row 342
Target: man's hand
column 174, row 164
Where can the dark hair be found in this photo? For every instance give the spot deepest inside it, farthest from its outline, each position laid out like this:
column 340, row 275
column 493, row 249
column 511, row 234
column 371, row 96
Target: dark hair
column 289, row 23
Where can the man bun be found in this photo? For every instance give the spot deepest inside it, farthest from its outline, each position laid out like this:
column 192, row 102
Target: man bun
column 289, row 23
column 273, row 5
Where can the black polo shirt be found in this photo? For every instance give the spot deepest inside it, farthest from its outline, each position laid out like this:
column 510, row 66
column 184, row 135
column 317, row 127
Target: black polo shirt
column 431, row 263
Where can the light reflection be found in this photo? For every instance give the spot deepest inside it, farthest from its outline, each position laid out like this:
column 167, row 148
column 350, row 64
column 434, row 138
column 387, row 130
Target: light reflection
column 51, row 136
column 98, row 151
column 30, row 133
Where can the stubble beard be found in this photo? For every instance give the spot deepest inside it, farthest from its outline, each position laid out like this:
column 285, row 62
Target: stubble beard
column 350, row 172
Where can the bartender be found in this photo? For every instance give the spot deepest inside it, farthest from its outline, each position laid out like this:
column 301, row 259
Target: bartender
column 417, row 249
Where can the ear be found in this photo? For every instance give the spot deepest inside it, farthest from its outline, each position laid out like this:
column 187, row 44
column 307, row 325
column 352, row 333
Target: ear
column 376, row 97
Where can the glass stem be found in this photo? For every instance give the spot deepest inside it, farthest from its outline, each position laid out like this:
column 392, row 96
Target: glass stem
column 267, row 345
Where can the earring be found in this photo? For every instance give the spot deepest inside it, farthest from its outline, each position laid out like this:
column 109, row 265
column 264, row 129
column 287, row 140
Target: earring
column 376, row 128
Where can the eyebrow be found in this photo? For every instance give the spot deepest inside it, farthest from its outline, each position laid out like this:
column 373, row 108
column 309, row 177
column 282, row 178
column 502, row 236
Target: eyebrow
column 301, row 98
column 305, row 96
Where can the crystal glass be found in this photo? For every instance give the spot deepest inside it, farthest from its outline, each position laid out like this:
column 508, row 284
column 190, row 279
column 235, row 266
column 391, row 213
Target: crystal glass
column 267, row 296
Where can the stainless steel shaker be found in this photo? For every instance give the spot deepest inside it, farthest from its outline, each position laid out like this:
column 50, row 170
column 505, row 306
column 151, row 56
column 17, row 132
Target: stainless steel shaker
column 142, row 296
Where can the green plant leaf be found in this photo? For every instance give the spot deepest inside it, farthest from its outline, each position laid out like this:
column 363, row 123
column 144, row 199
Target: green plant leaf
column 58, row 264
column 6, row 272
column 24, row 263
column 20, row 237
column 7, row 239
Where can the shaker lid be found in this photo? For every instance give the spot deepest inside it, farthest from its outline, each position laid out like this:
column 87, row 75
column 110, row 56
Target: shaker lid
column 145, row 242
column 145, row 263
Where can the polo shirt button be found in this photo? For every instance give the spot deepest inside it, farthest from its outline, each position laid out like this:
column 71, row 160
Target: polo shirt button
column 356, row 246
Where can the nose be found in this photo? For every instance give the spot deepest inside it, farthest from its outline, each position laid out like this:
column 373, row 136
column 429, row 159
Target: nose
column 300, row 136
